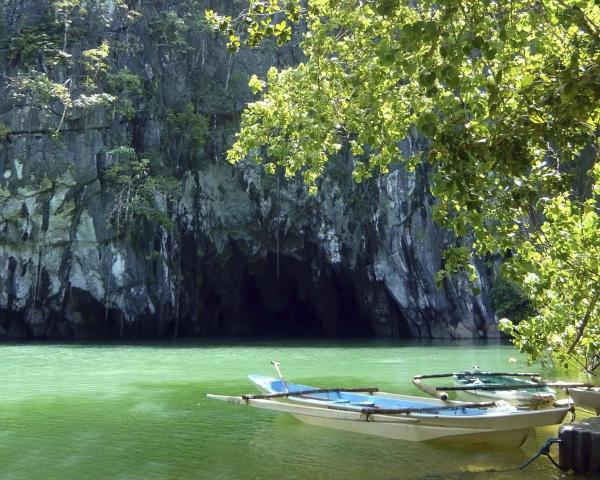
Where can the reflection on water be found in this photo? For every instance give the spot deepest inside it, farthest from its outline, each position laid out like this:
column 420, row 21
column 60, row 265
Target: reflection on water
column 140, row 412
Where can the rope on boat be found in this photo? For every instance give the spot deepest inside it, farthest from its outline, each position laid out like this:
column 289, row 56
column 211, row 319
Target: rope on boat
column 573, row 414
column 544, row 450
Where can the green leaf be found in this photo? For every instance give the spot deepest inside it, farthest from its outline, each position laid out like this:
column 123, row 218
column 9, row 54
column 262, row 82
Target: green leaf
column 255, row 84
column 527, row 80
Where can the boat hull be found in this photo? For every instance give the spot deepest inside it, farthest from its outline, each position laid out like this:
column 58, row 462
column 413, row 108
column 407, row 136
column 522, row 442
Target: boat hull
column 424, row 433
column 586, row 398
column 503, row 428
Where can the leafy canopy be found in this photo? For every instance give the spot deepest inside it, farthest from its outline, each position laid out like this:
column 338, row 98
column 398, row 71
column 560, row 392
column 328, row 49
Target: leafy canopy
column 507, row 94
column 559, row 266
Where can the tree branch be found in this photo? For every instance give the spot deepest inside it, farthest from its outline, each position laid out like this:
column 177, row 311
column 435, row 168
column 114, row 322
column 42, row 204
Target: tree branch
column 585, row 320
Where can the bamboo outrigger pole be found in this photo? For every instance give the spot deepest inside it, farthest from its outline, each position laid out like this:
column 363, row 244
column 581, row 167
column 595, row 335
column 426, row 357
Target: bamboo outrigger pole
column 310, row 391
column 442, row 375
column 433, row 391
column 502, row 386
column 491, row 386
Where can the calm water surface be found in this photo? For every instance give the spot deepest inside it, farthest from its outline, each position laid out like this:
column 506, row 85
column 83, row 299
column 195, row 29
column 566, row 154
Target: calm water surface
column 140, row 412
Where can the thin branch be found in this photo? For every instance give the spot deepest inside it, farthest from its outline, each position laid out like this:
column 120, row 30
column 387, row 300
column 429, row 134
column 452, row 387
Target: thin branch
column 585, row 320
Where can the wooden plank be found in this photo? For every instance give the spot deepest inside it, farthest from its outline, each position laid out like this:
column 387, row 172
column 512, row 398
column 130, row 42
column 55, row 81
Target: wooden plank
column 311, row 391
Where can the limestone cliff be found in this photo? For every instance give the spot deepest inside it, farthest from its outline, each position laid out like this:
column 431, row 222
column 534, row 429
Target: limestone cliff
column 120, row 217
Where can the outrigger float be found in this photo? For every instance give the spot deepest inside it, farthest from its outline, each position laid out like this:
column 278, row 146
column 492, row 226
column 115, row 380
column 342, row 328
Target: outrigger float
column 370, row 411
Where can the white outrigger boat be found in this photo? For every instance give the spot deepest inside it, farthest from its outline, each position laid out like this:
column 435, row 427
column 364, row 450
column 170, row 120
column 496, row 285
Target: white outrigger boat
column 403, row 417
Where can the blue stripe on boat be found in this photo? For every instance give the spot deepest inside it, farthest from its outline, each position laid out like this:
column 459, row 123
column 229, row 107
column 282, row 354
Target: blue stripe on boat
column 358, row 400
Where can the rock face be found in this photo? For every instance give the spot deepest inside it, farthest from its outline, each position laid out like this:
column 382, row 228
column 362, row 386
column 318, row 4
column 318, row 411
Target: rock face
column 233, row 251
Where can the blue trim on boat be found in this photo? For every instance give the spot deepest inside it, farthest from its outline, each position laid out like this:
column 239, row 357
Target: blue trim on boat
column 358, row 400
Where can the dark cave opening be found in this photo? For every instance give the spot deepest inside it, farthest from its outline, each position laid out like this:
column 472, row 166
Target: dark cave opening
column 286, row 297
column 292, row 299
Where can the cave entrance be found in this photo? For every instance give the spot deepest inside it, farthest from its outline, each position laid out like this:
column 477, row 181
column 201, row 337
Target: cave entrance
column 286, row 297
column 282, row 297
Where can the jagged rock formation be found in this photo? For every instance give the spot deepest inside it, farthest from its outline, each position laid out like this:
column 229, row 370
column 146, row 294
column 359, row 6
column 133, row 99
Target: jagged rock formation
column 236, row 251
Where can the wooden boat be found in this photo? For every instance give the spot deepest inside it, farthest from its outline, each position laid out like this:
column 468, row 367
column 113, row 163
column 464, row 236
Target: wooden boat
column 586, row 398
column 516, row 388
column 369, row 411
column 523, row 392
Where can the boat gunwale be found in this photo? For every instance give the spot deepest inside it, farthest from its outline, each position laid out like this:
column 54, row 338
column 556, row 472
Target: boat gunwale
column 295, row 406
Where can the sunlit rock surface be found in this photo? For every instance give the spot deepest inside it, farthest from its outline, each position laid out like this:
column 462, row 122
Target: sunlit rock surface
column 247, row 254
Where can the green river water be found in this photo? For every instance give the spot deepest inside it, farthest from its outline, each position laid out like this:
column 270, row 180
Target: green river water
column 124, row 412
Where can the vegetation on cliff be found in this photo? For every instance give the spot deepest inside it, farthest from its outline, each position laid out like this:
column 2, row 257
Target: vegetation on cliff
column 67, row 64
column 89, row 109
column 508, row 96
